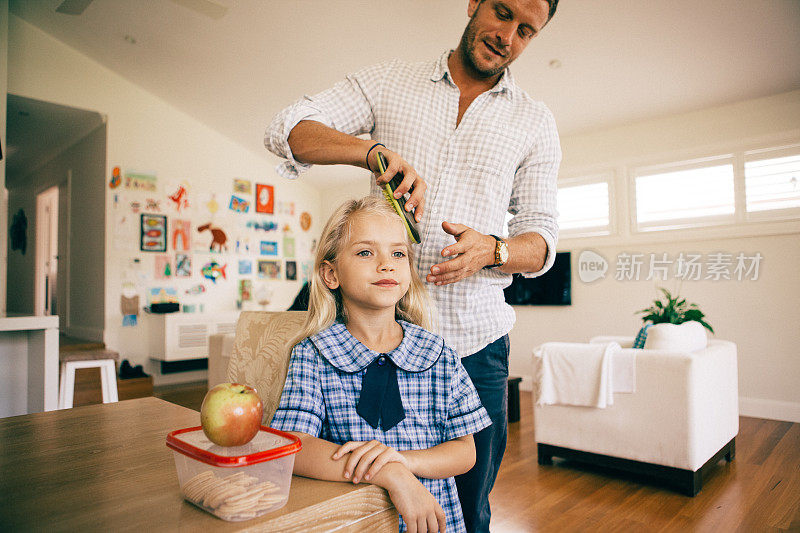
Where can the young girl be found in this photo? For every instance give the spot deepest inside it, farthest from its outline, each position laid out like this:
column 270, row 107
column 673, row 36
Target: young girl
column 373, row 396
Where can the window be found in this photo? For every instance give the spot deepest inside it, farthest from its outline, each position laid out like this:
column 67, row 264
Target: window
column 693, row 195
column 772, row 183
column 583, row 208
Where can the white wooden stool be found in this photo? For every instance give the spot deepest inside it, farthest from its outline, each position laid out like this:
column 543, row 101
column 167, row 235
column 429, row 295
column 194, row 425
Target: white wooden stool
column 105, row 360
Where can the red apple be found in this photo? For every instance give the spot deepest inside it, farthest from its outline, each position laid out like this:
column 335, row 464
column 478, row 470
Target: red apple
column 231, row 414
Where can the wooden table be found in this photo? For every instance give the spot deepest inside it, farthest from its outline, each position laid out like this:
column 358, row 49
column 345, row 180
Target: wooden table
column 106, row 467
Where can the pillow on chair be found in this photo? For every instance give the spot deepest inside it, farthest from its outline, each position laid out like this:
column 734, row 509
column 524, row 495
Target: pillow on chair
column 686, row 337
column 641, row 337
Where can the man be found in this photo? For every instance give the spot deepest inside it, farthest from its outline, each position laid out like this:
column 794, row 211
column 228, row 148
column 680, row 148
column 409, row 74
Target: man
column 484, row 148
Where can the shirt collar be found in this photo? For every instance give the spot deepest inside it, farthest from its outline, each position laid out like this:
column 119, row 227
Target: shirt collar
column 441, row 70
column 418, row 351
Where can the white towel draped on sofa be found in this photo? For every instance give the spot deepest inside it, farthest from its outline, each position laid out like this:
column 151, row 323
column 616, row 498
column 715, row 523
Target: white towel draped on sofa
column 582, row 374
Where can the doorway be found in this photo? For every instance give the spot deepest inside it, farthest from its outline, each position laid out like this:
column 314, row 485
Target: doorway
column 46, row 301
column 55, row 177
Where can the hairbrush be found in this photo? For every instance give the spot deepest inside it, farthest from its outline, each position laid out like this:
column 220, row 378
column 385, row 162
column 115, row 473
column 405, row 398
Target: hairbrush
column 399, row 204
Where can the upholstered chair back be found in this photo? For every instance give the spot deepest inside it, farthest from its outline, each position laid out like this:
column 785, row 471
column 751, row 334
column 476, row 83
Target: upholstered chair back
column 260, row 355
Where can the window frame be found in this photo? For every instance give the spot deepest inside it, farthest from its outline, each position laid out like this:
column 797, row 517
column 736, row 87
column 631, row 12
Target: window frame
column 686, row 222
column 788, row 213
column 608, row 177
column 622, row 199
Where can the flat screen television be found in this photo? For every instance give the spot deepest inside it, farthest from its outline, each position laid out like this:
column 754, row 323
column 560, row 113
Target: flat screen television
column 554, row 287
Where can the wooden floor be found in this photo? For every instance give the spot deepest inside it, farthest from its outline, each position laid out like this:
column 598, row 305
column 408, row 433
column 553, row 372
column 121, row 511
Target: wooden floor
column 758, row 491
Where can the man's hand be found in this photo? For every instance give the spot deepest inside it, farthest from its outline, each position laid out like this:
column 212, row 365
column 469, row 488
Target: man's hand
column 411, row 180
column 367, row 458
column 420, row 510
column 471, row 252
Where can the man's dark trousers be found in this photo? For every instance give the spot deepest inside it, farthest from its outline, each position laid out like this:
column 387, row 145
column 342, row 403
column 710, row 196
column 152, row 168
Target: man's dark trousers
column 488, row 370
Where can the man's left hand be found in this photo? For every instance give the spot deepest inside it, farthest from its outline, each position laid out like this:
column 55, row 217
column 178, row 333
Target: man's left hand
column 471, row 252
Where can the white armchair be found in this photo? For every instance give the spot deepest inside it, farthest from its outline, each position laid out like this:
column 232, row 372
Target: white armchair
column 681, row 420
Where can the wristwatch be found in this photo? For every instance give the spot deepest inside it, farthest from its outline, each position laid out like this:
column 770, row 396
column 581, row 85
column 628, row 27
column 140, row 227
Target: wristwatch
column 500, row 253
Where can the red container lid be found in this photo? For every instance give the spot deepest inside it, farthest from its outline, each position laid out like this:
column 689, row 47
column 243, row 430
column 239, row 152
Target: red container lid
column 268, row 444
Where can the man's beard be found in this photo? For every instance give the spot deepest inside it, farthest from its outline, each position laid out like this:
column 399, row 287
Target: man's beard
column 468, row 46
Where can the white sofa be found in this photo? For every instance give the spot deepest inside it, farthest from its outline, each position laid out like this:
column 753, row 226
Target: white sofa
column 681, row 420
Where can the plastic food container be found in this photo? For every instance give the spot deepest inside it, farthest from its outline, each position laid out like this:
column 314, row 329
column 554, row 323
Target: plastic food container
column 238, row 482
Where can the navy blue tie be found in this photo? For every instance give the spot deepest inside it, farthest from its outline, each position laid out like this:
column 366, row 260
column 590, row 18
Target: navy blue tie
column 380, row 395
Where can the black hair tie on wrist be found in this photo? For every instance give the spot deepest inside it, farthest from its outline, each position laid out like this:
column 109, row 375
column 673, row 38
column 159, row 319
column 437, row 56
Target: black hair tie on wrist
column 370, row 151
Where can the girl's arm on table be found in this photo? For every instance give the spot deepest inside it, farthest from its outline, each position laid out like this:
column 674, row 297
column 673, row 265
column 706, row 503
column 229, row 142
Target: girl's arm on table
column 366, row 459
column 416, row 505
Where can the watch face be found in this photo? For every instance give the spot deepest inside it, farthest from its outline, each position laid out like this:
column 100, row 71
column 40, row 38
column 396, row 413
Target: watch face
column 503, row 252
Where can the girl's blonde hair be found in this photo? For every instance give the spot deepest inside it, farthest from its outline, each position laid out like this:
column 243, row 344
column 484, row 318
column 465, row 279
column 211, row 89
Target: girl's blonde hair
column 325, row 305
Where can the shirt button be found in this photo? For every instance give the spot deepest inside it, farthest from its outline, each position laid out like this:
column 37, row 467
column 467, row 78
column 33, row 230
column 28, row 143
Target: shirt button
column 381, row 360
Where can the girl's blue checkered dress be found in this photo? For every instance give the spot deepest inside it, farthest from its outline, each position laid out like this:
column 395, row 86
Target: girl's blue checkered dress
column 324, row 383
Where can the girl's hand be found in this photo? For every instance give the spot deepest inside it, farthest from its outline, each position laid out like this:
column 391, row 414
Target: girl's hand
column 420, row 510
column 367, row 458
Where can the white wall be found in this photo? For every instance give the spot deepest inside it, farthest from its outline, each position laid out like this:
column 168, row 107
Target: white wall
column 760, row 316
column 144, row 133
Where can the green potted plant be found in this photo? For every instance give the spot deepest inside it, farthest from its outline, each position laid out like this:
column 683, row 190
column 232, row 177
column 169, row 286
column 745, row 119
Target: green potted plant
column 670, row 310
column 673, row 311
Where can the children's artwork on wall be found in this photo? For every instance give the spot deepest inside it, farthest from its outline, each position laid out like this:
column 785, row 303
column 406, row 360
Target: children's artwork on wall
column 263, row 225
column 242, row 245
column 286, row 208
column 291, row 270
column 151, row 204
column 212, row 205
column 196, row 290
column 305, row 220
column 265, row 198
column 218, row 237
column 140, row 181
column 153, row 229
column 163, row 268
column 181, row 235
column 269, row 269
column 136, row 207
column 162, row 295
column 306, row 270
column 245, row 267
column 269, row 248
column 183, row 265
column 124, row 230
column 242, row 186
column 129, row 304
column 180, row 198
column 213, row 271
column 116, row 179
column 239, row 205
column 245, row 290
column 288, row 247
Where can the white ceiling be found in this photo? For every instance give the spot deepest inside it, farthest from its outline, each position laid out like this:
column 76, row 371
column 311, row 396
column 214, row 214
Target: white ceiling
column 622, row 60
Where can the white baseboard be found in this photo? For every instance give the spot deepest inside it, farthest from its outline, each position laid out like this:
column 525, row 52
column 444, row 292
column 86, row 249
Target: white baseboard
column 771, row 409
column 754, row 407
column 89, row 334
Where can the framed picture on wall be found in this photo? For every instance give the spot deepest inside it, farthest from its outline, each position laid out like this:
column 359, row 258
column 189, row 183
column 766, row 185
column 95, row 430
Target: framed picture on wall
column 153, row 233
column 291, row 270
column 265, row 198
